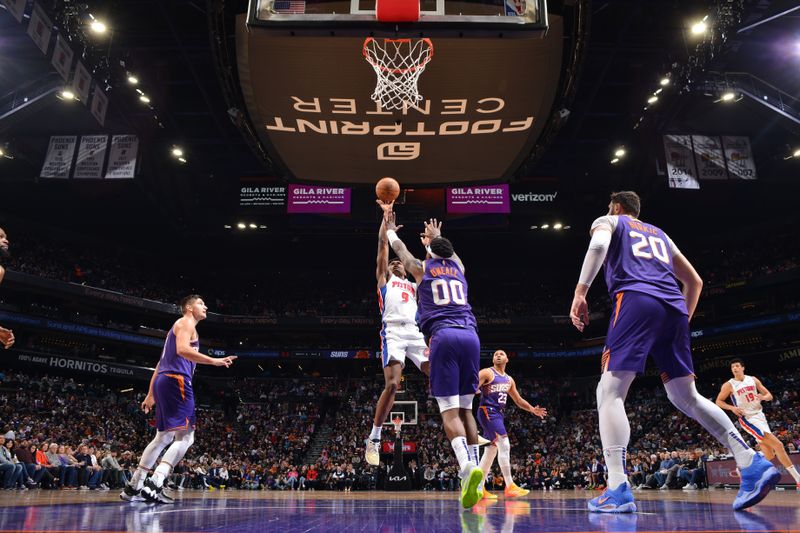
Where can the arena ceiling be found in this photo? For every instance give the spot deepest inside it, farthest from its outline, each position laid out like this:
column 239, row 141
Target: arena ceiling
column 171, row 47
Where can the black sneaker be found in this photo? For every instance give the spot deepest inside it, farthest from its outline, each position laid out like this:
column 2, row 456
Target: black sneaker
column 129, row 494
column 150, row 490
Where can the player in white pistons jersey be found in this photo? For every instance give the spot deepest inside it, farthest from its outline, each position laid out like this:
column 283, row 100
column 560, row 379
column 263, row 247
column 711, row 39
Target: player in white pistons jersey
column 746, row 394
column 400, row 336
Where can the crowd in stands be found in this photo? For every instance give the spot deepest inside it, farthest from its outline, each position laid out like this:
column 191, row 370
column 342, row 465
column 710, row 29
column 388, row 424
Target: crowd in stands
column 117, row 271
column 59, row 433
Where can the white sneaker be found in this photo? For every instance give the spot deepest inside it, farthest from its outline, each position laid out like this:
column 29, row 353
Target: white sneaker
column 664, row 487
column 482, row 441
column 372, row 452
column 690, row 486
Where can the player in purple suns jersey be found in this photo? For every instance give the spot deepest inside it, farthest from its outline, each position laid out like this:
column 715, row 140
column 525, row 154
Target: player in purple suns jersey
column 650, row 316
column 172, row 395
column 445, row 316
column 400, row 336
column 496, row 387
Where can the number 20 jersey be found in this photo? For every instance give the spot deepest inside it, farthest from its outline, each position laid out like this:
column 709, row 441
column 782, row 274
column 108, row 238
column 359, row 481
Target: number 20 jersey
column 639, row 259
column 443, row 297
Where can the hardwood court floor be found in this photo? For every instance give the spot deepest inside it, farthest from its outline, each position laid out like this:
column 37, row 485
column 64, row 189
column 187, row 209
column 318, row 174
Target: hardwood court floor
column 384, row 512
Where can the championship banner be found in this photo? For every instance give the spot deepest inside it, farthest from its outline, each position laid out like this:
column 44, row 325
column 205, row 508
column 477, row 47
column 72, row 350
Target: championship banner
column 91, row 155
column 82, row 82
column 739, row 157
column 62, row 57
column 318, row 199
column 58, row 161
column 99, row 105
column 40, row 28
column 16, row 8
column 479, row 199
column 122, row 158
column 709, row 158
column 681, row 171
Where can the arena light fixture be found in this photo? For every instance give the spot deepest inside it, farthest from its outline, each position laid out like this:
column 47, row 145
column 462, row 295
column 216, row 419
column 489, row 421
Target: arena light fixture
column 227, row 226
column 664, row 81
column 241, row 225
column 98, row 26
column 620, row 152
column 658, row 91
column 567, row 227
column 534, row 227
column 2, row 153
column 728, row 96
column 615, row 161
column 700, row 27
column 253, row 226
column 262, row 227
column 182, row 160
column 558, row 226
column 652, row 100
column 545, row 226
column 177, row 151
column 66, row 94
column 144, row 99
column 796, row 153
column 133, row 80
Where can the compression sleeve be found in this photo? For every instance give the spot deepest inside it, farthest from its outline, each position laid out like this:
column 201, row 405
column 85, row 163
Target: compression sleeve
column 595, row 255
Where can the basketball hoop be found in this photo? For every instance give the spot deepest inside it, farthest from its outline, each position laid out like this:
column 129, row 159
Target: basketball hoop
column 398, row 64
column 398, row 422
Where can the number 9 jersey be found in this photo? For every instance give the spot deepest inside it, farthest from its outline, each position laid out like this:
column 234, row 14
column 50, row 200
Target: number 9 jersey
column 639, row 259
column 443, row 297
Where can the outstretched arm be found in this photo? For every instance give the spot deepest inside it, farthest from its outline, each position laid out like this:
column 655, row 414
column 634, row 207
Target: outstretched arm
column 382, row 266
column 412, row 265
column 541, row 412
column 183, row 336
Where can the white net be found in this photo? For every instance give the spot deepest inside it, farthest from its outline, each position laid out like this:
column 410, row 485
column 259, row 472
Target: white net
column 398, row 64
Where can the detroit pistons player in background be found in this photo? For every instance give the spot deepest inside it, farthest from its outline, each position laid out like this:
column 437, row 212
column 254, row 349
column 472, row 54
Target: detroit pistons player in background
column 171, row 394
column 496, row 386
column 400, row 336
column 651, row 317
column 445, row 317
column 747, row 393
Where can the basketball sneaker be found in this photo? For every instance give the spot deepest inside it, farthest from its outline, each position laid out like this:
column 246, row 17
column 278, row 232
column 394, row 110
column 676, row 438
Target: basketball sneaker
column 513, row 491
column 488, row 495
column 373, row 452
column 471, row 492
column 758, row 480
column 619, row 500
column 154, row 493
column 482, row 441
column 129, row 494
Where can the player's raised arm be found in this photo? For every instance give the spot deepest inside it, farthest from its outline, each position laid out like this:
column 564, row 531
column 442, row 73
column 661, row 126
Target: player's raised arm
column 724, row 393
column 595, row 255
column 412, row 265
column 382, row 266
column 763, row 394
column 433, row 230
column 184, row 331
column 689, row 278
column 522, row 403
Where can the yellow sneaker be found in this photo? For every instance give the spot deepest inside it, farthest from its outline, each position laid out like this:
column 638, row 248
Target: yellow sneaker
column 513, row 491
column 488, row 495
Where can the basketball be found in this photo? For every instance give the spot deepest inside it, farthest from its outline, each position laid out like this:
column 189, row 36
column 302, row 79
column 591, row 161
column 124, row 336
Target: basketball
column 387, row 189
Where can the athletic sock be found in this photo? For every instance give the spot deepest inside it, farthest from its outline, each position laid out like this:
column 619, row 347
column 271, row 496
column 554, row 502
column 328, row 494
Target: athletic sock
column 475, row 453
column 461, row 449
column 793, row 472
column 376, row 433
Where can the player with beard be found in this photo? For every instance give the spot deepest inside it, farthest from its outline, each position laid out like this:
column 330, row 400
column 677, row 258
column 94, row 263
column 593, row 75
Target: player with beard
column 6, row 335
column 400, row 336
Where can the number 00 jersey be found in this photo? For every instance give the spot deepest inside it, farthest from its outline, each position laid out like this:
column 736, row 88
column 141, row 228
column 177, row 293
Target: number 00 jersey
column 745, row 396
column 443, row 299
column 398, row 301
column 640, row 260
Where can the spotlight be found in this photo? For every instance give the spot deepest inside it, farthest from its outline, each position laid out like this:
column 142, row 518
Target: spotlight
column 2, row 153
column 567, row 227
column 620, row 152
column 98, row 27
column 66, row 94
column 728, row 96
column 262, row 227
column 615, row 161
column 253, row 226
column 227, row 226
column 177, row 152
column 700, row 27
column 557, row 225
column 664, row 81
column 534, row 227
column 652, row 100
column 182, row 160
column 658, row 91
column 241, row 225
column 796, row 153
column 144, row 99
column 133, row 80
column 545, row 226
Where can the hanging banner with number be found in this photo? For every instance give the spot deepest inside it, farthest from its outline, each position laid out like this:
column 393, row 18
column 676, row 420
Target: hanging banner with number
column 99, row 105
column 40, row 28
column 16, row 8
column 739, row 158
column 91, row 154
column 709, row 158
column 122, row 157
column 681, row 170
column 58, row 161
column 62, row 57
column 82, row 82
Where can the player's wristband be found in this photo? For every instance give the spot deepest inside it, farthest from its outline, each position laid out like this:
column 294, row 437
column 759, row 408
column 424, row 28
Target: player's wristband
column 392, row 236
